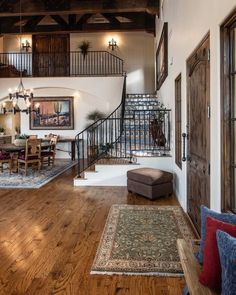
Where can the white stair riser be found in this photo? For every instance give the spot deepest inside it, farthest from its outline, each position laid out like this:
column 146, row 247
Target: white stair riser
column 115, row 175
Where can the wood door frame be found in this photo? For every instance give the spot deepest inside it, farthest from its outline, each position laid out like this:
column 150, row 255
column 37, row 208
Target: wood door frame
column 226, row 184
column 178, row 111
column 205, row 38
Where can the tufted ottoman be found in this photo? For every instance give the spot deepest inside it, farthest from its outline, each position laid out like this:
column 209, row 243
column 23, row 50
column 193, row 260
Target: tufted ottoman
column 149, row 182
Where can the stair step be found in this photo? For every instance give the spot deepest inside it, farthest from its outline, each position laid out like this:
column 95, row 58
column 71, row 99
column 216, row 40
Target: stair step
column 141, row 103
column 113, row 161
column 141, row 95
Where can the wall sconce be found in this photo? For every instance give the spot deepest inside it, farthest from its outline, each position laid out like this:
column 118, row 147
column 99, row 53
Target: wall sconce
column 25, row 46
column 112, row 44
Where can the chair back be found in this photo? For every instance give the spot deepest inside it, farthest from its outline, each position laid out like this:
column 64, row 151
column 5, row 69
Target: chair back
column 33, row 136
column 33, row 148
column 53, row 140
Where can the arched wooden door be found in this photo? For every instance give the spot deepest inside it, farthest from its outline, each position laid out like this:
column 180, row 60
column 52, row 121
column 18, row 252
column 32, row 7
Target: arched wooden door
column 198, row 129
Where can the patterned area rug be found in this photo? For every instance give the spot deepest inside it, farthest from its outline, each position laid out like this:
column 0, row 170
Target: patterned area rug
column 142, row 240
column 34, row 178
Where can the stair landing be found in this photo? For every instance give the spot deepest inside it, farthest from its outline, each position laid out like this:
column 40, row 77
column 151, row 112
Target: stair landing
column 115, row 174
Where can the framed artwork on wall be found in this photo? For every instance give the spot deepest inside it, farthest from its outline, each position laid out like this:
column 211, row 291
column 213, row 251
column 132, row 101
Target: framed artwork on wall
column 54, row 113
column 162, row 57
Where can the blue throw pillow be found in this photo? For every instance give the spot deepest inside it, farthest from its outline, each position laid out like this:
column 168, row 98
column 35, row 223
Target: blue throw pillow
column 225, row 217
column 227, row 250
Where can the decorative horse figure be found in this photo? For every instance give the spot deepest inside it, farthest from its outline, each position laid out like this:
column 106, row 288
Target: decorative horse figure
column 157, row 133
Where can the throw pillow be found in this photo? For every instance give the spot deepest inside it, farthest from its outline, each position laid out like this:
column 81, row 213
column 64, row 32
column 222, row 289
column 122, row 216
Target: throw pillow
column 225, row 217
column 211, row 270
column 227, row 250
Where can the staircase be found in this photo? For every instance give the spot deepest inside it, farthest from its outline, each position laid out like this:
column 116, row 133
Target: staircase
column 125, row 140
column 137, row 139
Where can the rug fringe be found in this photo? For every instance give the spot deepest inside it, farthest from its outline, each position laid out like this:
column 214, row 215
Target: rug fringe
column 161, row 274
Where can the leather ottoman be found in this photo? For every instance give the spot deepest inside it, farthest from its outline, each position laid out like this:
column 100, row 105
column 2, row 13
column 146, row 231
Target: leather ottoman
column 149, row 182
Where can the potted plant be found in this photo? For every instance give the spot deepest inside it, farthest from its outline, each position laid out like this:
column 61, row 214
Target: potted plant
column 84, row 47
column 93, row 117
column 2, row 130
column 21, row 139
column 105, row 148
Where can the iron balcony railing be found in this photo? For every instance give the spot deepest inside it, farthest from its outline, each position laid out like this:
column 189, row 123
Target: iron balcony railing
column 74, row 63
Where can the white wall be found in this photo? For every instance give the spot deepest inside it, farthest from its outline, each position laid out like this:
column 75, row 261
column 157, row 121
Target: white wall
column 135, row 48
column 96, row 93
column 12, row 43
column 188, row 22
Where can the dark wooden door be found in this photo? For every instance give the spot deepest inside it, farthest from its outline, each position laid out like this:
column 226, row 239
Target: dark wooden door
column 198, row 128
column 51, row 55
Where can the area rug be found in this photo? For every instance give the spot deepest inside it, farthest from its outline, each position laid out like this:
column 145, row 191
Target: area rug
column 34, row 178
column 142, row 240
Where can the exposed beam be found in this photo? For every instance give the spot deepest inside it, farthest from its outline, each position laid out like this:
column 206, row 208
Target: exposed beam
column 83, row 20
column 32, row 22
column 33, row 7
column 59, row 20
column 72, row 19
column 111, row 18
column 140, row 24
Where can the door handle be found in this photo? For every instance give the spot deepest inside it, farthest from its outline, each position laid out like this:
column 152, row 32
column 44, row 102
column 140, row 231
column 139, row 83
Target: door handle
column 184, row 135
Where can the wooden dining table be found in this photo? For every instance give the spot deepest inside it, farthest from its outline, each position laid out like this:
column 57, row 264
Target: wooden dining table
column 12, row 148
column 14, row 151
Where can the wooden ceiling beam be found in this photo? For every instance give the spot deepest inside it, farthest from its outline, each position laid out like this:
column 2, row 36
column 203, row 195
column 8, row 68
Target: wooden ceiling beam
column 111, row 18
column 59, row 20
column 83, row 19
column 32, row 22
column 72, row 19
column 34, row 7
column 83, row 27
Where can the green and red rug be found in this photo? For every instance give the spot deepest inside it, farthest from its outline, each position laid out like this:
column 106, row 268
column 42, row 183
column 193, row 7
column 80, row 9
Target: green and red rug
column 142, row 240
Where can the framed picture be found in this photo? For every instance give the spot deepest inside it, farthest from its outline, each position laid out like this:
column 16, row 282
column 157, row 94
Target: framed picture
column 162, row 57
column 53, row 113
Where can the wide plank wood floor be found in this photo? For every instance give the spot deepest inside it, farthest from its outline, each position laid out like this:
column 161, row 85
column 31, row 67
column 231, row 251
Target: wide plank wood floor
column 49, row 237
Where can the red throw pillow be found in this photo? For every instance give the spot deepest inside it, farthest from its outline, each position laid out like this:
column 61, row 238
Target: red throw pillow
column 211, row 270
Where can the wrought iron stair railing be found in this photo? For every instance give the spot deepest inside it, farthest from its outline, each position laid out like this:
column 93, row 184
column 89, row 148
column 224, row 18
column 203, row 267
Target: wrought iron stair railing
column 139, row 128
column 97, row 139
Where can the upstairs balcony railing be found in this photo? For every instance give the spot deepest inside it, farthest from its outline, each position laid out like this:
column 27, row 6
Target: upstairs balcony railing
column 74, row 63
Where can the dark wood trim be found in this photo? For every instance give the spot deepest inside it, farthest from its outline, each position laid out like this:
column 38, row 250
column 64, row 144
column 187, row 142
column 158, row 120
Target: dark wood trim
column 199, row 54
column 196, row 47
column 162, row 42
column 138, row 22
column 78, row 7
column 226, row 148
column 178, row 121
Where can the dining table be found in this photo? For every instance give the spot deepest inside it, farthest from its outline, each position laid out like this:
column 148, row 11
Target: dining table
column 12, row 148
column 14, row 151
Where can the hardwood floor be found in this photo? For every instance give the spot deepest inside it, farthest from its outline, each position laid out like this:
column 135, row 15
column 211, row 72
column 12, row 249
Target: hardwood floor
column 49, row 237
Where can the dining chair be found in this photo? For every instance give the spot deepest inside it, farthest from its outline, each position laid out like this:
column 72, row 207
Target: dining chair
column 31, row 156
column 5, row 158
column 48, row 156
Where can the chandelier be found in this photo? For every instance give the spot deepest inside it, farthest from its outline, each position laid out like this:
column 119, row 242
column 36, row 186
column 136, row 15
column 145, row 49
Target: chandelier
column 20, row 92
